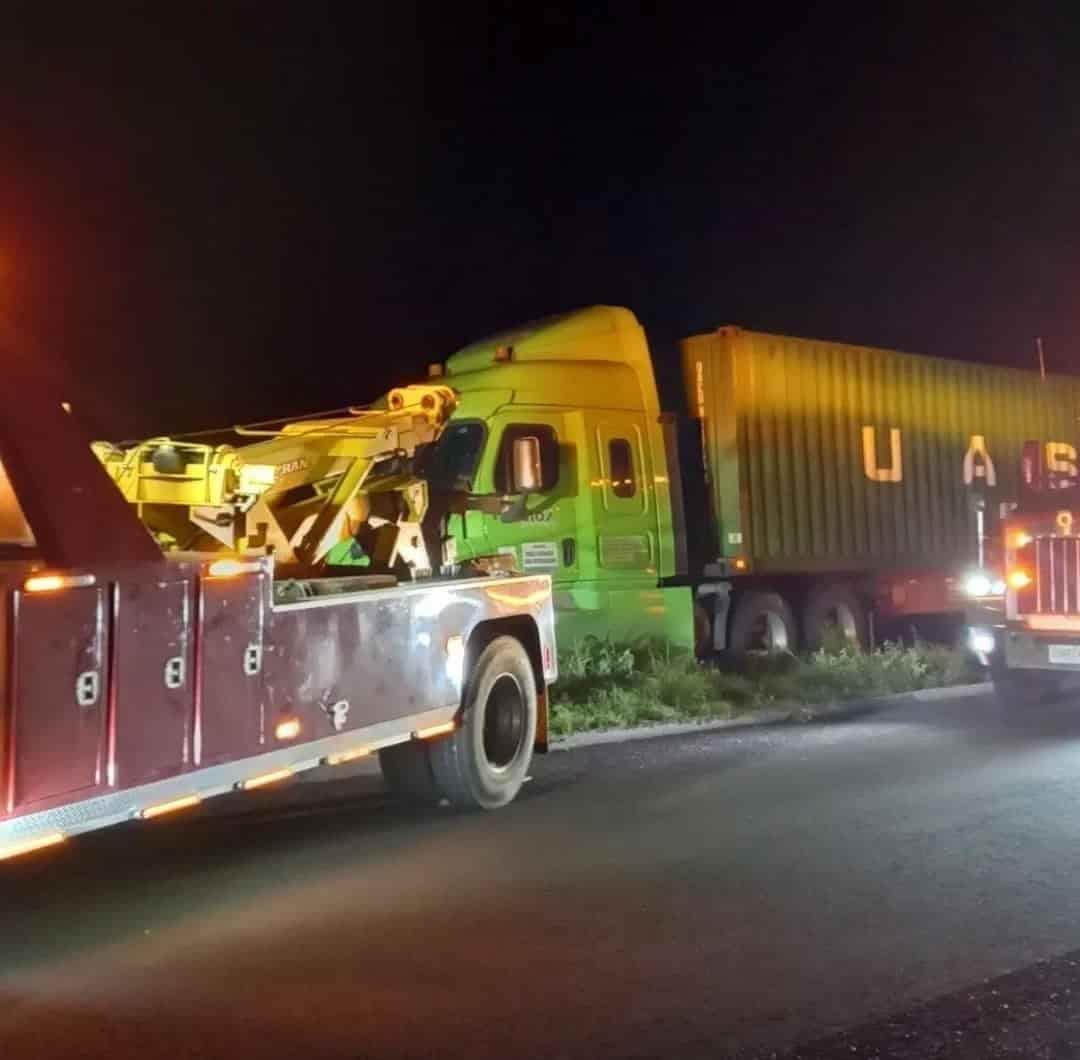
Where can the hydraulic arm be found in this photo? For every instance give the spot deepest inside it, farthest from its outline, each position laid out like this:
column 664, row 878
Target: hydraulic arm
column 301, row 490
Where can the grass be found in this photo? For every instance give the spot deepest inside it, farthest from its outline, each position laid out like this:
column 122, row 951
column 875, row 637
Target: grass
column 604, row 684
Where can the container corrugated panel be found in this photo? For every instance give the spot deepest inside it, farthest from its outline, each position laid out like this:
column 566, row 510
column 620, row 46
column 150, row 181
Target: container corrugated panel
column 799, row 439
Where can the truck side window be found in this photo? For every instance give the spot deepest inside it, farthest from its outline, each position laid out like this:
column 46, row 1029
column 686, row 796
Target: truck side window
column 549, row 455
column 621, row 465
column 14, row 529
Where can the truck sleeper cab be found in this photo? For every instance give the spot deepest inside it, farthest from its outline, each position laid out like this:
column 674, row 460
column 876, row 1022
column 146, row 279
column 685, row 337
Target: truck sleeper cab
column 134, row 684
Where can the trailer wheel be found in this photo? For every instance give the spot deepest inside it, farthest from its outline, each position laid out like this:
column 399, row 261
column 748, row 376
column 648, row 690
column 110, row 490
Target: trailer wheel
column 483, row 764
column 834, row 607
column 762, row 623
column 406, row 771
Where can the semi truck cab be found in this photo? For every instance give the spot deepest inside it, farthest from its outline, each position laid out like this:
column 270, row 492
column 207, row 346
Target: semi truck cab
column 559, row 423
column 1032, row 644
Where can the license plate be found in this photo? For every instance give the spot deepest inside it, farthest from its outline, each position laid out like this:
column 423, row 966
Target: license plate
column 1065, row 654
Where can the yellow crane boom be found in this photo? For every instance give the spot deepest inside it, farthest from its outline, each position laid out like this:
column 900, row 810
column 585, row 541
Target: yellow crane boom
column 297, row 491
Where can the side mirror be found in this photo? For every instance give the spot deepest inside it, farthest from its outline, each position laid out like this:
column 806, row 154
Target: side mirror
column 528, row 465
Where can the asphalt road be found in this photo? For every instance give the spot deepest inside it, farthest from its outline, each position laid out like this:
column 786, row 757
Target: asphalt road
column 851, row 888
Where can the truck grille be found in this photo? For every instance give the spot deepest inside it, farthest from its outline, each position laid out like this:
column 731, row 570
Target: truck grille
column 1056, row 587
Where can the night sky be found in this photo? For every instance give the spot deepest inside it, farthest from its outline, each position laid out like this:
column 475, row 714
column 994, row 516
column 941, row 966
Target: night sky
column 224, row 217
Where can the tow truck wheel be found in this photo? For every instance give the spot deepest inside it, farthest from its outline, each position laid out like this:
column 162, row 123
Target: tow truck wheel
column 484, row 762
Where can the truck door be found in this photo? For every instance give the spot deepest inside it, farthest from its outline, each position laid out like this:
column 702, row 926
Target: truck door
column 545, row 540
column 232, row 704
column 153, row 680
column 626, row 539
column 60, row 698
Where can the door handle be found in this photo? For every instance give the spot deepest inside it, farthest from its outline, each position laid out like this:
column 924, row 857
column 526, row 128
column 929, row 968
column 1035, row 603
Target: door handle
column 175, row 672
column 252, row 659
column 87, row 688
column 569, row 551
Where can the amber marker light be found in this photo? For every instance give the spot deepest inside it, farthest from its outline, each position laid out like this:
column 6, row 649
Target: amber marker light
column 51, row 583
column 1019, row 579
column 435, row 730
column 347, row 756
column 230, row 568
column 263, row 779
column 163, row 808
column 288, row 729
column 27, row 846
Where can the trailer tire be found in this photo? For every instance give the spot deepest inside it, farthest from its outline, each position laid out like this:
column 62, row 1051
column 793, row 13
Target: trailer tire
column 763, row 622
column 406, row 770
column 484, row 762
column 834, row 606
column 703, row 631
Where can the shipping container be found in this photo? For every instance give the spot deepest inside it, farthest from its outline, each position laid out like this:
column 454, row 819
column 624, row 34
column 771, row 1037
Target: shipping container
column 828, row 456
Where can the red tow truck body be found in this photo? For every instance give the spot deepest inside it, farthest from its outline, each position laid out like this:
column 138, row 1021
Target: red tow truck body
column 134, row 683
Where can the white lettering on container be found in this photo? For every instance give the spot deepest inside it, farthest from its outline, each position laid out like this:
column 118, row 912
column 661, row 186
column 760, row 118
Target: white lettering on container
column 895, row 471
column 1061, row 458
column 984, row 469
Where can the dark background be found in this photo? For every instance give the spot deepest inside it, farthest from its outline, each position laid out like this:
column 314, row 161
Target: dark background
column 226, row 214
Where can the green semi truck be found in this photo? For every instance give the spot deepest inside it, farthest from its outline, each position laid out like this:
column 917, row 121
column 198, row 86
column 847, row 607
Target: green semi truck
column 794, row 485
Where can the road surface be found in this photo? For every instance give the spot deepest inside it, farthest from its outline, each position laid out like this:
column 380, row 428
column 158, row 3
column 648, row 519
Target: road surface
column 821, row 890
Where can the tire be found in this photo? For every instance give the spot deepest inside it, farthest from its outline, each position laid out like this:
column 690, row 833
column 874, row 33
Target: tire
column 703, row 632
column 763, row 622
column 483, row 763
column 406, row 770
column 834, row 606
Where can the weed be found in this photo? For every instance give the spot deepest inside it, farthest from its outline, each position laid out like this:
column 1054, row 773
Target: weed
column 606, row 684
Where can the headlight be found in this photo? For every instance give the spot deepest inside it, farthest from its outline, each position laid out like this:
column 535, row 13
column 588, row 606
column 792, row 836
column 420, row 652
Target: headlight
column 978, row 583
column 981, row 641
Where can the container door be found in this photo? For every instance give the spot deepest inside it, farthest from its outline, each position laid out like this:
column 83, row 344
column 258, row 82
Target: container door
column 154, row 682
column 59, row 694
column 231, row 700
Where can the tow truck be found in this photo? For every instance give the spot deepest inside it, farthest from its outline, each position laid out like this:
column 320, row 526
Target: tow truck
column 137, row 680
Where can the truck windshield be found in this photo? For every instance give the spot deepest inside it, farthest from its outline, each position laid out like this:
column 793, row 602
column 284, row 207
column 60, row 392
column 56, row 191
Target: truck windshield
column 14, row 529
column 452, row 462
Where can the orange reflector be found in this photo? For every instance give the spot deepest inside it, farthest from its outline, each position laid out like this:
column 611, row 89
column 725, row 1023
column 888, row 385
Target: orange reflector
column 288, row 729
column 348, row 756
column 435, row 730
column 29, row 845
column 163, row 808
column 50, row 583
column 230, row 568
column 740, row 563
column 265, row 778
column 1019, row 579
